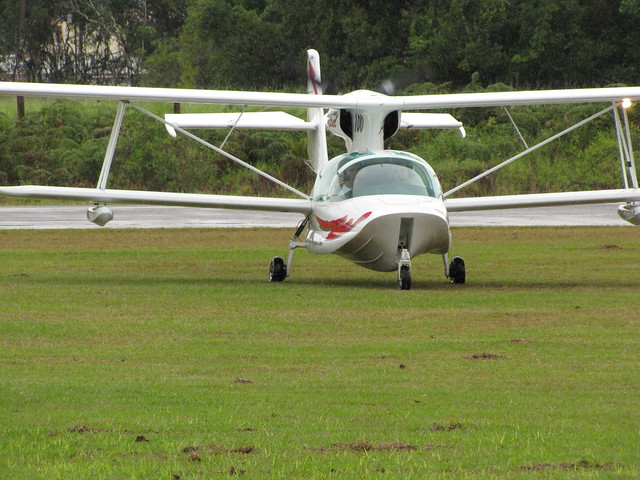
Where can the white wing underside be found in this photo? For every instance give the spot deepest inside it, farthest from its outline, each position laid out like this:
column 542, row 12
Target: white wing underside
column 285, row 121
column 244, row 121
column 288, row 122
column 542, row 200
column 160, row 198
column 304, row 206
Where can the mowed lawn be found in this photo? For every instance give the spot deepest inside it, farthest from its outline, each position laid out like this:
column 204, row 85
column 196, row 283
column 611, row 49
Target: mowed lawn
column 167, row 354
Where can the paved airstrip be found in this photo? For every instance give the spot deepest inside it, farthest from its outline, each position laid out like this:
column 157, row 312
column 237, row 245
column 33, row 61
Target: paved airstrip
column 145, row 216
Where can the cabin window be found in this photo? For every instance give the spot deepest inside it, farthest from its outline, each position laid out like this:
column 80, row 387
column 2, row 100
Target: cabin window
column 389, row 178
column 348, row 177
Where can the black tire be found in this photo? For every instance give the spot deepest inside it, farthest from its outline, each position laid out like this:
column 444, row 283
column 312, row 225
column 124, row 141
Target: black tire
column 404, row 278
column 277, row 270
column 457, row 271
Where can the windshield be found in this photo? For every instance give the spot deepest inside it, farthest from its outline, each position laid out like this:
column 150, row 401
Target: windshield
column 352, row 175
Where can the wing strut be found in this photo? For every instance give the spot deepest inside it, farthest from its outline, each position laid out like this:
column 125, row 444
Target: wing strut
column 524, row 142
column 629, row 211
column 220, row 151
column 233, row 127
column 111, row 148
column 115, row 133
column 101, row 214
column 629, row 176
column 529, row 150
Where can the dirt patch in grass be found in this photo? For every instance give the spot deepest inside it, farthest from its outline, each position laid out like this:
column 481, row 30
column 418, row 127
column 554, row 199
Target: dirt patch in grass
column 581, row 465
column 436, row 427
column 84, row 429
column 610, row 247
column 242, row 381
column 363, row 446
column 196, row 450
column 520, row 340
column 485, row 356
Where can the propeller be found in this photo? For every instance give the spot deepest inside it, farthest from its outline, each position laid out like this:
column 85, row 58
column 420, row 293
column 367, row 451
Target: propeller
column 418, row 74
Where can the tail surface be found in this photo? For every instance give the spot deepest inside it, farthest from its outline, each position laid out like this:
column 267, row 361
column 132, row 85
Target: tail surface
column 317, row 138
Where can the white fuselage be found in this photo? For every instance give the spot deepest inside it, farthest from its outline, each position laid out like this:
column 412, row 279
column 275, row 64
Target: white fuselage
column 370, row 207
column 369, row 230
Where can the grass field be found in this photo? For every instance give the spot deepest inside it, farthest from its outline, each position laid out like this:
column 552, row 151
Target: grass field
column 166, row 354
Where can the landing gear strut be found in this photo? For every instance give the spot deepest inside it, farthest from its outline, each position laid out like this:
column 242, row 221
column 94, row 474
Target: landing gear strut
column 278, row 269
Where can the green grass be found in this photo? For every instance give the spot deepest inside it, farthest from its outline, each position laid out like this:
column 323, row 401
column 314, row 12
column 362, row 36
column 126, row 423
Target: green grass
column 167, row 354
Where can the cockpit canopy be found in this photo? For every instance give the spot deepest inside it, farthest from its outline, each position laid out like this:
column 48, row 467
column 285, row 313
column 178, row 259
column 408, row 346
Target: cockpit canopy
column 357, row 175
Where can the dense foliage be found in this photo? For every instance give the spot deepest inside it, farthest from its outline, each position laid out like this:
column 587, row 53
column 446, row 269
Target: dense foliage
column 254, row 44
column 260, row 43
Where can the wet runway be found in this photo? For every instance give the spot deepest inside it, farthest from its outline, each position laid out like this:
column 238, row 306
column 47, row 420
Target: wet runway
column 142, row 216
column 145, row 216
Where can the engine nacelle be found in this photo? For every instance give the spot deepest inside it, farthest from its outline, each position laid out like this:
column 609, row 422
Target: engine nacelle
column 100, row 215
column 340, row 124
column 362, row 130
column 630, row 212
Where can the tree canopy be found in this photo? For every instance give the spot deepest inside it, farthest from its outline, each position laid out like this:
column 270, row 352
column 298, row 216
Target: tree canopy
column 260, row 44
column 83, row 41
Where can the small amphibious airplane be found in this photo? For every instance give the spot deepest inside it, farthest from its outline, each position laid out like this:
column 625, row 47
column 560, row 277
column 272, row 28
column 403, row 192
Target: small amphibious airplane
column 378, row 208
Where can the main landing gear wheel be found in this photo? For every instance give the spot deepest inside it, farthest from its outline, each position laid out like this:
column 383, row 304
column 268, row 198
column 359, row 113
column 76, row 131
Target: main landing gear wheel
column 457, row 272
column 277, row 270
column 404, row 278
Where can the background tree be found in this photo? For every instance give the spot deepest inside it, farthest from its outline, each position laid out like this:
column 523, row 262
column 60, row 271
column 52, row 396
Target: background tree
column 83, row 41
column 26, row 30
column 261, row 43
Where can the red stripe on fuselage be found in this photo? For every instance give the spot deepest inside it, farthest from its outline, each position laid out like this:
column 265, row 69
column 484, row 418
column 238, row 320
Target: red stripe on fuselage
column 340, row 226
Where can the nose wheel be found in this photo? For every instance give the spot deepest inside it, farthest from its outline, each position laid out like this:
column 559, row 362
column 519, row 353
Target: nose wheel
column 404, row 278
column 404, row 269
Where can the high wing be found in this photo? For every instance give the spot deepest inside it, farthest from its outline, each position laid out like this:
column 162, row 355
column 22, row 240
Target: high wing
column 146, row 94
column 357, row 100
column 534, row 97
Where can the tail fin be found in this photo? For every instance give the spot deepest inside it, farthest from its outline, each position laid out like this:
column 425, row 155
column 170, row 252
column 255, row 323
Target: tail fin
column 317, row 139
column 314, row 79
